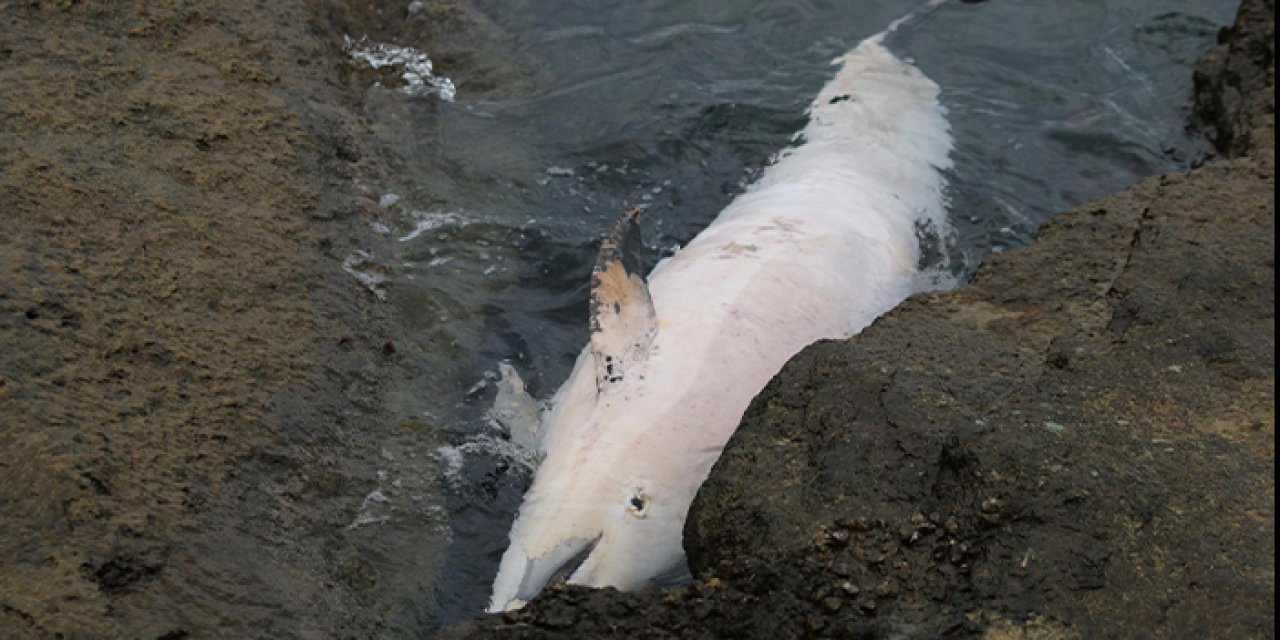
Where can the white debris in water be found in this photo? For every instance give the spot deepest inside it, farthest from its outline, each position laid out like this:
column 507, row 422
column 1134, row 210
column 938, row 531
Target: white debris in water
column 415, row 67
column 416, row 7
column 356, row 263
column 430, row 220
column 379, row 227
column 561, row 172
column 388, row 199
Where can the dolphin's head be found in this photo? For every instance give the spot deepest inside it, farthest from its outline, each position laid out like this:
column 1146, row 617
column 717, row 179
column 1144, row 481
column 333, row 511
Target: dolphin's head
column 608, row 504
column 615, row 521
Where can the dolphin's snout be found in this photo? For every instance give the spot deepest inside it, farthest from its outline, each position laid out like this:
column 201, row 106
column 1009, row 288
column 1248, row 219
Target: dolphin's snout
column 521, row 578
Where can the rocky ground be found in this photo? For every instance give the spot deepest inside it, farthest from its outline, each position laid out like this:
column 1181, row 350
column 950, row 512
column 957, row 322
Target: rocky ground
column 189, row 382
column 1078, row 444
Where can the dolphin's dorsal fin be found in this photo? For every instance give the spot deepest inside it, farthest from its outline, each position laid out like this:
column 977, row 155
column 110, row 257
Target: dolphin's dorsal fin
column 623, row 320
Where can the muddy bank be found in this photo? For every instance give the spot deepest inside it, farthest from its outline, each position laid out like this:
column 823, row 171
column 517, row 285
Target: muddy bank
column 189, row 382
column 1079, row 443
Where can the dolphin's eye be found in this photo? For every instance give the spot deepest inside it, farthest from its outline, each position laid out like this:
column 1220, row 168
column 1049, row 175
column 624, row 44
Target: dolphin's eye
column 638, row 504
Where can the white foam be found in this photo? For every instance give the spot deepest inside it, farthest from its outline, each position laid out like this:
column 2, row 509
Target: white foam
column 694, row 29
column 454, row 456
column 431, row 220
column 415, row 67
column 366, row 515
column 355, row 264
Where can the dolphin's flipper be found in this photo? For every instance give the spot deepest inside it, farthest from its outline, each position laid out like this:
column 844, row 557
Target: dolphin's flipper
column 623, row 320
column 515, row 409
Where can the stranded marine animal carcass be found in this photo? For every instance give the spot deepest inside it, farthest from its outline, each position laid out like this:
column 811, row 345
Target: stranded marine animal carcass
column 821, row 245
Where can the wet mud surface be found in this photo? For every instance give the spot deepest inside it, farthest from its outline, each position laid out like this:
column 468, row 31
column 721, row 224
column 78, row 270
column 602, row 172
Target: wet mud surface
column 1078, row 444
column 189, row 382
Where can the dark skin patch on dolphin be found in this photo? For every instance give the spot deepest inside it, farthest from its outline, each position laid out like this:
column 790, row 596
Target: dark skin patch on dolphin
column 623, row 321
column 638, row 504
column 610, row 373
column 621, row 248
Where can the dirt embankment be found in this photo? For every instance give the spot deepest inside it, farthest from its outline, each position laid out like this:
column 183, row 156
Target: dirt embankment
column 188, row 380
column 1078, row 444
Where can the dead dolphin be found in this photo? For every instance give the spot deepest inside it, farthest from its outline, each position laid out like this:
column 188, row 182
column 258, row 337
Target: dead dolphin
column 824, row 243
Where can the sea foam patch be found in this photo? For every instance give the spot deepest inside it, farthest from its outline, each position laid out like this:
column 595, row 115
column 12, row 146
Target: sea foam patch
column 414, row 67
column 452, row 458
column 425, row 221
column 368, row 271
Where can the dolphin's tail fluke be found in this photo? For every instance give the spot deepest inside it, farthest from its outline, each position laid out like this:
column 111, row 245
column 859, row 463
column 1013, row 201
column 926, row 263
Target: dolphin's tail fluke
column 877, row 124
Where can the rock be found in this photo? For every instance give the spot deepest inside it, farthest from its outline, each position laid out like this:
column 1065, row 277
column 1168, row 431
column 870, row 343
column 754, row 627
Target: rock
column 181, row 446
column 1140, row 320
column 1142, row 325
column 1235, row 103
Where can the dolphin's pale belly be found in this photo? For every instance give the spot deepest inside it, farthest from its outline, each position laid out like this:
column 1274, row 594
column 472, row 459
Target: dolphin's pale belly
column 819, row 248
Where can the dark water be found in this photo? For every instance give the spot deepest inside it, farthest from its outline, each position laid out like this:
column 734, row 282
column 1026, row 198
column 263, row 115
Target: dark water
column 676, row 105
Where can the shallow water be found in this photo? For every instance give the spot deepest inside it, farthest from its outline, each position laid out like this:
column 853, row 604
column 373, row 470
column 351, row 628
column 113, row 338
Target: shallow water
column 492, row 224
